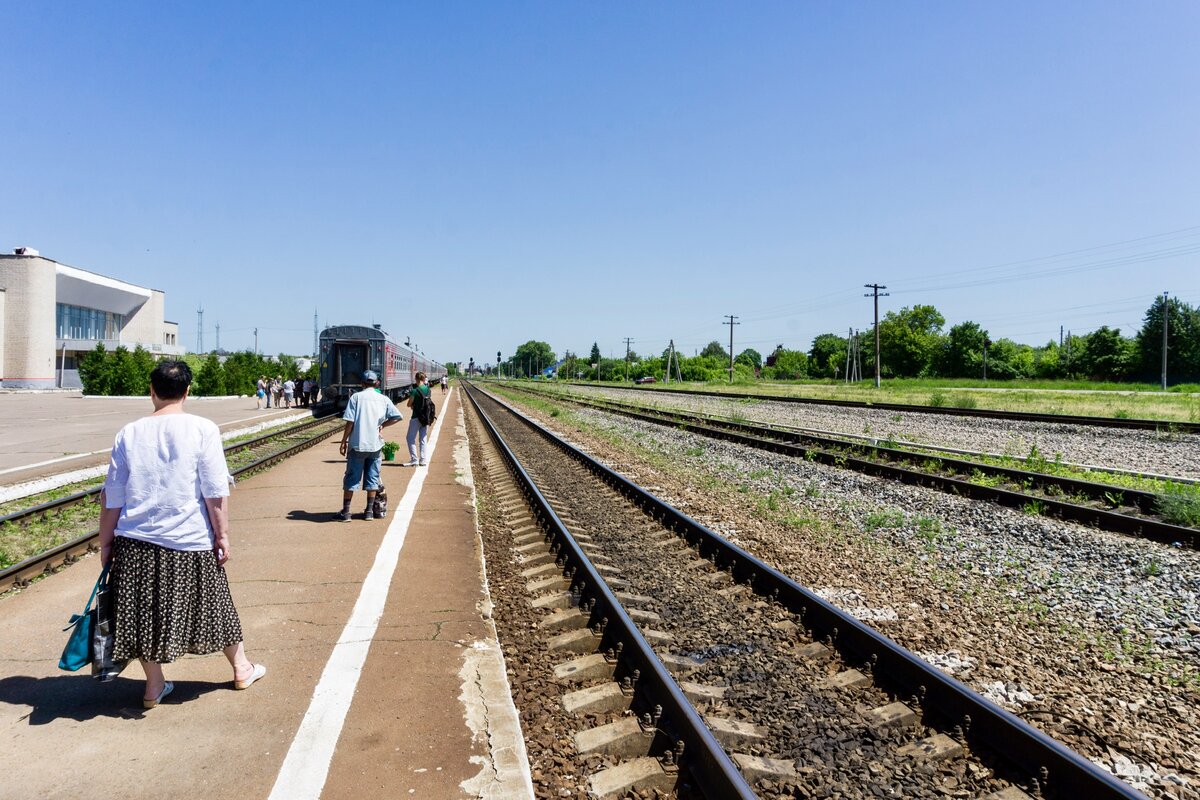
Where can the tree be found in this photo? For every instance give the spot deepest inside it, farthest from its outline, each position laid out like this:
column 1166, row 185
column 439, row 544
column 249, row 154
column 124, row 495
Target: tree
column 909, row 339
column 126, row 380
column 715, row 349
column 704, row 368
column 1108, row 356
column 530, row 357
column 1007, row 359
column 594, row 358
column 789, row 365
column 827, row 355
column 95, row 371
column 961, row 353
column 750, row 357
column 210, row 380
column 1183, row 342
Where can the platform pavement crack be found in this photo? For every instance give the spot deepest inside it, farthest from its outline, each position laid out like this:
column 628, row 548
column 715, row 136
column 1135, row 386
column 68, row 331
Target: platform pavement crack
column 487, row 727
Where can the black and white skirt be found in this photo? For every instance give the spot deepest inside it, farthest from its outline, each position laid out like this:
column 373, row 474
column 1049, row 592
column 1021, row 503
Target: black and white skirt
column 169, row 602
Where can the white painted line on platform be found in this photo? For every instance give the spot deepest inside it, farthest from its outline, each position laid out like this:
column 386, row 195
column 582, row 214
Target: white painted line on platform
column 306, row 767
column 59, row 460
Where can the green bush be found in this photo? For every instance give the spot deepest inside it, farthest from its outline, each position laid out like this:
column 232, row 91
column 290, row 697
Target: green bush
column 1180, row 505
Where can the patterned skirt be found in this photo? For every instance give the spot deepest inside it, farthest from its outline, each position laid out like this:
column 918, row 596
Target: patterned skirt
column 169, row 602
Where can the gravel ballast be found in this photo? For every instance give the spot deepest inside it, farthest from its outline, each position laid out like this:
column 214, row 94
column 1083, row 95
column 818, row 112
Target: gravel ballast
column 1173, row 454
column 1093, row 637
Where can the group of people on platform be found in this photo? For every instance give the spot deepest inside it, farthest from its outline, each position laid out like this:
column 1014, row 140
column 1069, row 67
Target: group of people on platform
column 301, row 392
column 164, row 522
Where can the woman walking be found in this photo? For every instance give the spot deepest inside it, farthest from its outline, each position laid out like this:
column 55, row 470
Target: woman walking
column 416, row 401
column 164, row 528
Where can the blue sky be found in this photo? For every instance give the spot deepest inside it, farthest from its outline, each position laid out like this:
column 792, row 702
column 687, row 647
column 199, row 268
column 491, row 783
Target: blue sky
column 474, row 175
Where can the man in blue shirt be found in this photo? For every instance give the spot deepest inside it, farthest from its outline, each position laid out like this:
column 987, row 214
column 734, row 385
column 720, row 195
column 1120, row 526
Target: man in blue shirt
column 367, row 414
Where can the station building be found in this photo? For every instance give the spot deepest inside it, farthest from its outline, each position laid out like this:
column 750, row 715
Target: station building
column 51, row 314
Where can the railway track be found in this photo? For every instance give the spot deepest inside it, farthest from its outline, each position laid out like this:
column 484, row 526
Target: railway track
column 692, row 656
column 1105, row 506
column 245, row 457
column 1025, row 416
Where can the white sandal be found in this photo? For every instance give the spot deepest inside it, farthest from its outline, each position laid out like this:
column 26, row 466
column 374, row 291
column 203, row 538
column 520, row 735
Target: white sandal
column 259, row 671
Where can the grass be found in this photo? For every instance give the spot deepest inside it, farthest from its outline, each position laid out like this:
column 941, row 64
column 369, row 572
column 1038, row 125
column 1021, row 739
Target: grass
column 21, row 541
column 1034, row 507
column 1180, row 505
column 887, row 518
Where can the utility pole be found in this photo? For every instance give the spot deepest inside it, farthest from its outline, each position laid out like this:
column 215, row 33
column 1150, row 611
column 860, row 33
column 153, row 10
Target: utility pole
column 1166, row 313
column 315, row 351
column 256, row 341
column 875, row 287
column 200, row 329
column 849, row 351
column 986, row 344
column 628, row 342
column 218, row 336
column 731, row 323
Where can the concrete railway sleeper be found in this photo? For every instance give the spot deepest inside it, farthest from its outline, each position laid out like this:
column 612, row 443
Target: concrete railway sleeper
column 805, row 697
column 262, row 452
column 958, row 476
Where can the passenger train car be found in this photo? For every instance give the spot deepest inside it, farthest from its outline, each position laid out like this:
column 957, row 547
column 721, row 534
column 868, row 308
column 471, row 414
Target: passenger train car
column 346, row 351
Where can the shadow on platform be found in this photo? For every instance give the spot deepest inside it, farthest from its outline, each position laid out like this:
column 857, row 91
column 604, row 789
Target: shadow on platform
column 81, row 697
column 300, row 515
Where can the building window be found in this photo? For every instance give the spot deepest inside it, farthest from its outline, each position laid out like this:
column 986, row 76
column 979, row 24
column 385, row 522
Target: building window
column 76, row 322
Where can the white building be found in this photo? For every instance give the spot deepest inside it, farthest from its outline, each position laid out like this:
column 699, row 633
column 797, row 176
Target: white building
column 51, row 313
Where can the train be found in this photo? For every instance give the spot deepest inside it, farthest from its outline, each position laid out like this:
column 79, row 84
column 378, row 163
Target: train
column 346, row 351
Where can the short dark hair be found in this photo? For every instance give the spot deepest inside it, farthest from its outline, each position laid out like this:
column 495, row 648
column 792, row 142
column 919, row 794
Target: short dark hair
column 171, row 379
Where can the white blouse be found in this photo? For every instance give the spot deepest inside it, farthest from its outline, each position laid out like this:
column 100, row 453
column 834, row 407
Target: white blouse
column 161, row 470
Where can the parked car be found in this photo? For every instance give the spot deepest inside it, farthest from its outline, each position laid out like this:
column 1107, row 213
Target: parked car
column 647, row 379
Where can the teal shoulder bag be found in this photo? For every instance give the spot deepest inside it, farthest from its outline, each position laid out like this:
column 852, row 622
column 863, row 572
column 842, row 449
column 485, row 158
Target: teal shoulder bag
column 78, row 652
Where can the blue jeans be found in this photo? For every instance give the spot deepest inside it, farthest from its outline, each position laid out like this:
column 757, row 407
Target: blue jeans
column 361, row 468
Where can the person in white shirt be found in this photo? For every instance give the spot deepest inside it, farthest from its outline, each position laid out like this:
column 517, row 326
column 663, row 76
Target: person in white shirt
column 164, row 532
column 367, row 414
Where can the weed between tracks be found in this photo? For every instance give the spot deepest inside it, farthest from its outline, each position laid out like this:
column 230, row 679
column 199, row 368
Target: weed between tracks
column 19, row 541
column 49, row 495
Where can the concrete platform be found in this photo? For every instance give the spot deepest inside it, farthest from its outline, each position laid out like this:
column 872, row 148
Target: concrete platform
column 46, row 433
column 385, row 675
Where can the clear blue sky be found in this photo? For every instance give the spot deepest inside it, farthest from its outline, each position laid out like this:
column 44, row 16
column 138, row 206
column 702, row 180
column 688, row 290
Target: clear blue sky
column 474, row 175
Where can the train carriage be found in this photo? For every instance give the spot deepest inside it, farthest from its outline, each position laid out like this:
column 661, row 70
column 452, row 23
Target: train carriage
column 346, row 351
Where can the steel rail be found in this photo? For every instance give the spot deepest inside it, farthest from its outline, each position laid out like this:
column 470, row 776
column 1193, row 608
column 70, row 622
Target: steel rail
column 1044, row 761
column 1023, row 416
column 87, row 494
column 705, row 758
column 792, row 443
column 68, row 552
